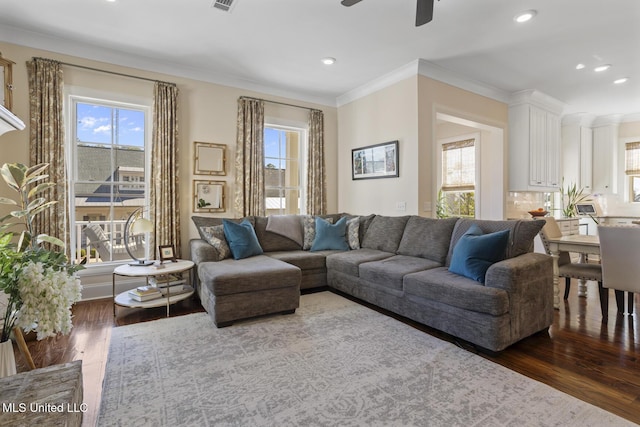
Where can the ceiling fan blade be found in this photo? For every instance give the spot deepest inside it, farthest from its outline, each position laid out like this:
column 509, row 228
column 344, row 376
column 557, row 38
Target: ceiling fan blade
column 424, row 12
column 349, row 2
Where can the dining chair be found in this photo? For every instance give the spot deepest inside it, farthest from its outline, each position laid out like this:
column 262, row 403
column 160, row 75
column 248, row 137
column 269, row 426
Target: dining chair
column 573, row 270
column 619, row 247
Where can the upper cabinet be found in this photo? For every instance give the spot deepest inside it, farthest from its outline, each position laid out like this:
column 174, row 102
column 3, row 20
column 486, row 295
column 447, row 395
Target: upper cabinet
column 605, row 151
column 577, row 151
column 535, row 156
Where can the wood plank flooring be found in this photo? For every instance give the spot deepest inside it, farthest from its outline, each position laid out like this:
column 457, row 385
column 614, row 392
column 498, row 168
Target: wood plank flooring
column 580, row 355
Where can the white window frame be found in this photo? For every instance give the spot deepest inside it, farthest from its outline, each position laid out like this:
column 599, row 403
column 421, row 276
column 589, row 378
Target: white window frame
column 303, row 129
column 74, row 95
column 477, row 144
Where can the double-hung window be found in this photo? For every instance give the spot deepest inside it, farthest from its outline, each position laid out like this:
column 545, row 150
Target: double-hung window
column 632, row 169
column 457, row 196
column 108, row 174
column 284, row 169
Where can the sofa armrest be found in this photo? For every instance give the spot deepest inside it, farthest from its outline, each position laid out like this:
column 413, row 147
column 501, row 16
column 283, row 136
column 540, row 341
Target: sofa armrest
column 202, row 251
column 515, row 273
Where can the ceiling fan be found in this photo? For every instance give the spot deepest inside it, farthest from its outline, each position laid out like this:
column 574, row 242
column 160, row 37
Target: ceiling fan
column 424, row 10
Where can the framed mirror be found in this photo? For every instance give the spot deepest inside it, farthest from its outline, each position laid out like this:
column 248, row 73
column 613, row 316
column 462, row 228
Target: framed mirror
column 6, row 79
column 208, row 196
column 209, row 159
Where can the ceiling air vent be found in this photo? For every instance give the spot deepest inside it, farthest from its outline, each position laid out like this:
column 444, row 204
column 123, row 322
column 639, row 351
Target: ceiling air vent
column 223, row 5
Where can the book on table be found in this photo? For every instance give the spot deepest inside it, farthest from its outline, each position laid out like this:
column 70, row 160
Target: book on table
column 167, row 280
column 144, row 295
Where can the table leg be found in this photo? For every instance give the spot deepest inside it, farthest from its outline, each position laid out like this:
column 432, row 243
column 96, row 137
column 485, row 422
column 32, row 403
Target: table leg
column 113, row 293
column 582, row 284
column 556, row 291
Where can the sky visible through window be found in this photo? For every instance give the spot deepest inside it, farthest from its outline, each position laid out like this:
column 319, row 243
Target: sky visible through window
column 273, row 138
column 97, row 124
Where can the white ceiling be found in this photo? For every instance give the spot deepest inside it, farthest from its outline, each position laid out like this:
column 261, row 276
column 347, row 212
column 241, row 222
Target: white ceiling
column 275, row 46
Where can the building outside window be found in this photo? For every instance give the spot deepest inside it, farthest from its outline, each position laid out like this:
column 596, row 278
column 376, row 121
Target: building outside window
column 284, row 169
column 109, row 158
column 457, row 193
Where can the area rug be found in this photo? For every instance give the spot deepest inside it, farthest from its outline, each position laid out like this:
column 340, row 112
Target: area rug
column 332, row 363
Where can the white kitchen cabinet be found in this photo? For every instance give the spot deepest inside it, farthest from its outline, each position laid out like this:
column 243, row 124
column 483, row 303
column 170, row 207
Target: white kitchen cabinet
column 534, row 149
column 604, row 155
column 577, row 153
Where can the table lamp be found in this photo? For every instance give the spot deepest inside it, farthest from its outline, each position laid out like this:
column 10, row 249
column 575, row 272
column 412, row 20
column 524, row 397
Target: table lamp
column 136, row 224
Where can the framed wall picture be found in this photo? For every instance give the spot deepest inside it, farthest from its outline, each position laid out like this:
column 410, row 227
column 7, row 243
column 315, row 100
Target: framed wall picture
column 208, row 196
column 375, row 161
column 209, row 159
column 167, row 253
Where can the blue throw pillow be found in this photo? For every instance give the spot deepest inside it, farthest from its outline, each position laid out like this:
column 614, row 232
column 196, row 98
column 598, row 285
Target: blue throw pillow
column 242, row 239
column 475, row 252
column 330, row 236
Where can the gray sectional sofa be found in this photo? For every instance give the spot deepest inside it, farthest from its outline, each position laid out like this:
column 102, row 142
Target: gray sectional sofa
column 400, row 264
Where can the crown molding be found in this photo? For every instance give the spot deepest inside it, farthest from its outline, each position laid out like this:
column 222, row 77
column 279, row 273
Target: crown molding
column 427, row 69
column 83, row 50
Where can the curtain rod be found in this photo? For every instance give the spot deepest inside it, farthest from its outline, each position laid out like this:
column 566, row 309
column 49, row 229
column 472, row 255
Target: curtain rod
column 280, row 103
column 105, row 71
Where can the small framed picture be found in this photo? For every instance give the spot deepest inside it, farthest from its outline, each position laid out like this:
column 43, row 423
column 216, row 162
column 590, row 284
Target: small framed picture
column 167, row 253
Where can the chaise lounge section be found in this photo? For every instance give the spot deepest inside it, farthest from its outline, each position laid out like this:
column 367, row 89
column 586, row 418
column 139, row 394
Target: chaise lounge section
column 402, row 264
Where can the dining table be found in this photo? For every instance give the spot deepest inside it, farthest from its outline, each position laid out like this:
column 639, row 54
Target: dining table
column 581, row 243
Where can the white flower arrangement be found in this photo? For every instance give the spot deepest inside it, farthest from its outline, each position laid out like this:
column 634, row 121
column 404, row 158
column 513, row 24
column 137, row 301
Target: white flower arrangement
column 47, row 296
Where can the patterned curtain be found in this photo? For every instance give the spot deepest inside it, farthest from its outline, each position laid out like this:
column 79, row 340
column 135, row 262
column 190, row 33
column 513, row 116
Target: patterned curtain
column 46, row 143
column 316, row 181
column 249, row 198
column 165, row 205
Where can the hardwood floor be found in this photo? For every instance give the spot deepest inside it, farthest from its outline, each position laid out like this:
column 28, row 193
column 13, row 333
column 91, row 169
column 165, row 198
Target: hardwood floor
column 580, row 355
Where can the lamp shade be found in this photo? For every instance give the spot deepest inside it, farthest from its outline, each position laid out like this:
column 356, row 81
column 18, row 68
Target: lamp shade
column 142, row 225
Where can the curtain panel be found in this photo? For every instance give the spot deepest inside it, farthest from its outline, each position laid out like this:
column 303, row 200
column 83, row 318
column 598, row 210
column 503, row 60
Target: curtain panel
column 249, row 164
column 165, row 203
column 316, row 174
column 46, row 143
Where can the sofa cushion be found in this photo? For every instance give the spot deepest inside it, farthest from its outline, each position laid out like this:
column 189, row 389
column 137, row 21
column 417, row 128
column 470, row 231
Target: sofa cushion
column 242, row 239
column 348, row 262
column 353, row 232
column 207, row 221
column 475, row 252
column 257, row 273
column 270, row 241
column 330, row 236
column 309, row 229
column 389, row 272
column 427, row 238
column 442, row 286
column 520, row 238
column 215, row 237
column 304, row 260
column 384, row 233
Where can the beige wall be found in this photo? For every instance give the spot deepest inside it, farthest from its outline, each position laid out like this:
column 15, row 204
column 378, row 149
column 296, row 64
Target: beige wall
column 407, row 111
column 207, row 112
column 629, row 130
column 387, row 115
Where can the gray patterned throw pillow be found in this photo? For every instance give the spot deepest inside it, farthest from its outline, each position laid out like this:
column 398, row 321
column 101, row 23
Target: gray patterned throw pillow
column 215, row 236
column 353, row 231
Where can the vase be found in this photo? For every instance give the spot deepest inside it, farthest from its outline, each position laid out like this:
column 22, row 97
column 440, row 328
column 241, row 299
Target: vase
column 7, row 359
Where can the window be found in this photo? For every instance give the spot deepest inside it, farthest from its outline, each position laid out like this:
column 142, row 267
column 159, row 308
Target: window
column 283, row 169
column 632, row 169
column 107, row 180
column 457, row 196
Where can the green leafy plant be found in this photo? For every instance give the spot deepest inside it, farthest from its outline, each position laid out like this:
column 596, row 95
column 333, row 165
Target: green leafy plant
column 570, row 197
column 441, row 205
column 40, row 284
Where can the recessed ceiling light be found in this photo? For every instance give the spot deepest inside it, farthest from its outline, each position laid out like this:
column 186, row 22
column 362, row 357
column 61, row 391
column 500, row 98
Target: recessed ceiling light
column 328, row 60
column 525, row 16
column 620, row 81
column 580, row 66
column 602, row 68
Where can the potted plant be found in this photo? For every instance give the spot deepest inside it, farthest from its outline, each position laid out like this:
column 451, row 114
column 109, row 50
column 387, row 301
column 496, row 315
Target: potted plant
column 39, row 283
column 570, row 198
